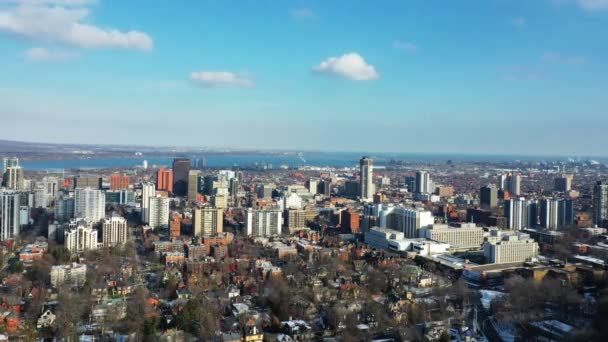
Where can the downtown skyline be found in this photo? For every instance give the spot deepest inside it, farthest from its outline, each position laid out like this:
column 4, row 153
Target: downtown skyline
column 488, row 77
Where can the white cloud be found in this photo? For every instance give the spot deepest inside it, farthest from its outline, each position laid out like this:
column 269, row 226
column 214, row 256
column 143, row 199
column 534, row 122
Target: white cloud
column 519, row 22
column 351, row 66
column 65, row 22
column 558, row 58
column 593, row 5
column 303, row 13
column 407, row 46
column 39, row 54
column 220, row 78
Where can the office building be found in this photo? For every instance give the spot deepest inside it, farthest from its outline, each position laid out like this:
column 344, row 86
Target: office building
column 74, row 275
column 423, row 183
column 164, row 180
column 563, row 183
column 10, row 220
column 181, row 169
column 488, row 197
column 193, row 186
column 208, row 221
column 352, row 188
column 119, row 182
column 220, row 201
column 264, row 223
column 89, row 204
column 51, row 186
column 406, row 220
column 13, row 178
column 366, row 179
column 509, row 248
column 147, row 192
column 324, row 187
column 120, row 197
column 600, row 203
column 292, row 201
column 115, row 231
column 80, row 236
column 459, row 236
column 158, row 212
column 93, row 182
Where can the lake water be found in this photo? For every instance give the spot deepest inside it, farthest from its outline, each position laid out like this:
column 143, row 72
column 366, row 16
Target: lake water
column 338, row 159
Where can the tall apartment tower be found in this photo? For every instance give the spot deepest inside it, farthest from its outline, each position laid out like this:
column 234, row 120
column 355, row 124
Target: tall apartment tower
column 89, row 204
column 119, row 182
column 9, row 162
column 181, row 168
column 600, row 203
column 13, row 178
column 115, row 231
column 521, row 213
column 423, row 183
column 208, row 221
column 488, row 197
column 147, row 192
column 158, row 212
column 366, row 180
column 80, row 236
column 164, row 180
column 563, row 183
column 512, row 184
column 264, row 222
column 9, row 214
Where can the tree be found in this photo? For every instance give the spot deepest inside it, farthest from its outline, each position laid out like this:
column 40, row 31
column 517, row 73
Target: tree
column 68, row 315
column 15, row 267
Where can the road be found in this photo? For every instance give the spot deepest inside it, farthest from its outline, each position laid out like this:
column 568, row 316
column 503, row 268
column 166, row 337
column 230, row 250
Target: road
column 483, row 319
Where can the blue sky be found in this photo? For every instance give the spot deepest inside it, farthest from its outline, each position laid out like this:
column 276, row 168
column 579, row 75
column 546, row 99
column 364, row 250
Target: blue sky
column 491, row 76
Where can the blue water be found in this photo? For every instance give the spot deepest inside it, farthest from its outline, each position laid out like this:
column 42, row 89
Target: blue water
column 337, row 159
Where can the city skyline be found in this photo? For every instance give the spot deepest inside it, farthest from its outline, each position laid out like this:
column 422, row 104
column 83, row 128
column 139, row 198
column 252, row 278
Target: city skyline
column 308, row 76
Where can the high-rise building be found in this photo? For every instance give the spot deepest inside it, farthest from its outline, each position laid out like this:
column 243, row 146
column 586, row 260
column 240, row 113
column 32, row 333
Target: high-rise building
column 311, row 185
column 119, row 182
column 264, row 222
column 366, row 179
column 352, row 188
column 208, row 221
column 406, row 220
column 181, row 168
column 89, row 204
column 556, row 213
column 193, row 186
column 563, row 183
column 159, row 212
column 488, row 197
column 520, row 213
column 164, row 180
column 208, row 182
column 93, row 182
column 220, row 201
column 265, row 191
column 9, row 214
column 9, row 162
column 512, row 184
column 80, row 236
column 351, row 221
column 115, row 231
column 64, row 208
column 51, row 185
column 324, row 187
column 600, row 203
column 13, row 178
column 423, row 183
column 295, row 219
column 147, row 192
